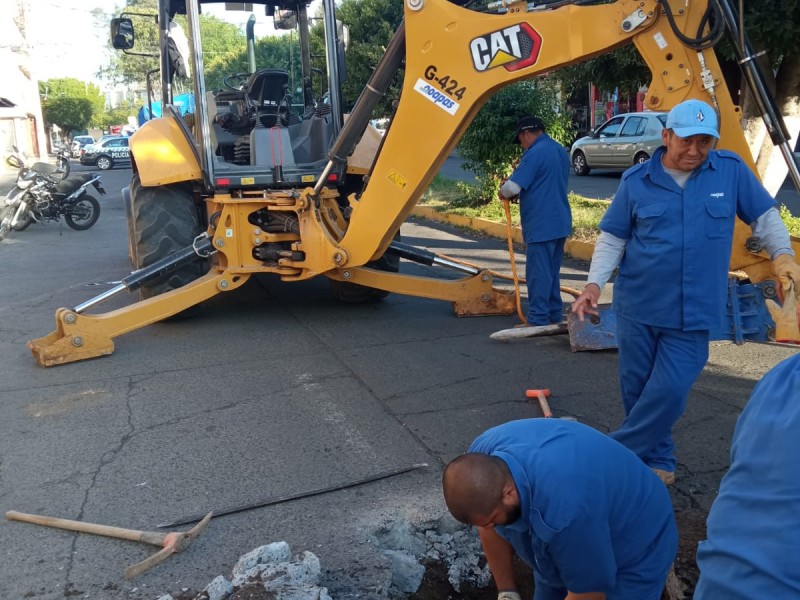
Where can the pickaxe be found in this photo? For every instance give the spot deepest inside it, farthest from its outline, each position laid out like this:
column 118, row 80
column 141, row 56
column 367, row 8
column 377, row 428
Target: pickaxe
column 170, row 543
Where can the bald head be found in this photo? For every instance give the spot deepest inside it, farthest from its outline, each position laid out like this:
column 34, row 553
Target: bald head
column 473, row 485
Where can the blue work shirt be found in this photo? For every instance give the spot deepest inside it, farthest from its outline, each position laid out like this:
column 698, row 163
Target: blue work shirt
column 753, row 545
column 542, row 174
column 592, row 514
column 674, row 271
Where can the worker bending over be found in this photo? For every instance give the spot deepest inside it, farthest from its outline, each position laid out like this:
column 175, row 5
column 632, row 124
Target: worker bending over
column 581, row 510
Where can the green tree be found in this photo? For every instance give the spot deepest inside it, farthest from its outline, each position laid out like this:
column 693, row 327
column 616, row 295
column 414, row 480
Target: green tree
column 131, row 69
column 69, row 87
column 117, row 115
column 69, row 114
column 488, row 146
column 371, row 25
column 622, row 69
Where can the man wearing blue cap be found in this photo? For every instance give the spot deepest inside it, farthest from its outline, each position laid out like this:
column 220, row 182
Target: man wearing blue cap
column 753, row 545
column 540, row 181
column 670, row 231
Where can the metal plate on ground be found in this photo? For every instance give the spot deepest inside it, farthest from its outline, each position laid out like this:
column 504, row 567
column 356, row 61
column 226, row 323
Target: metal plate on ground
column 593, row 333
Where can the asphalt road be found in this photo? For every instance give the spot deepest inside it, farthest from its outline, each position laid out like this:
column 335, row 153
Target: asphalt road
column 272, row 390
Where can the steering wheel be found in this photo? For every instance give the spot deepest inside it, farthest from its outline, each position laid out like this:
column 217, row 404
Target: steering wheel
column 240, row 78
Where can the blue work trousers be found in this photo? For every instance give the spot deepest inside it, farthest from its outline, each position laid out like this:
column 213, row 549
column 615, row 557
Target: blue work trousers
column 628, row 588
column 542, row 272
column 657, row 368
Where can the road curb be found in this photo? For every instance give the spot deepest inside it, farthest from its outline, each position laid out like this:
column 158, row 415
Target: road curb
column 574, row 248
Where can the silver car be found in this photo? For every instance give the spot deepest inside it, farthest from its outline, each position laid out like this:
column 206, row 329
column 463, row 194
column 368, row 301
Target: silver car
column 619, row 143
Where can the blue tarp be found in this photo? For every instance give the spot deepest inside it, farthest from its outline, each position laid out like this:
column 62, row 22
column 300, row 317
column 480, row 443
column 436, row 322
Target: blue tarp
column 184, row 103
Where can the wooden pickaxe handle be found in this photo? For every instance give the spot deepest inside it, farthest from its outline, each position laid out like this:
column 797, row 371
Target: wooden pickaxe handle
column 170, row 543
column 148, row 537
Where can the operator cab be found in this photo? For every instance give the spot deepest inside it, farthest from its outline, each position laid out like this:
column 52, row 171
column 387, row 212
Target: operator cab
column 267, row 110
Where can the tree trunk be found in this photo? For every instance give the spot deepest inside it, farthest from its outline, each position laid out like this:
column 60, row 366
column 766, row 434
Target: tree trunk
column 785, row 86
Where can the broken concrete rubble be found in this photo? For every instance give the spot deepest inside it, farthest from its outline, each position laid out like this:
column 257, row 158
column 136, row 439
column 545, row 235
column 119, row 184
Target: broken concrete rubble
column 406, row 548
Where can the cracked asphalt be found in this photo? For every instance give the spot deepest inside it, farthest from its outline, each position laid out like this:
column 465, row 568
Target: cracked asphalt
column 272, row 390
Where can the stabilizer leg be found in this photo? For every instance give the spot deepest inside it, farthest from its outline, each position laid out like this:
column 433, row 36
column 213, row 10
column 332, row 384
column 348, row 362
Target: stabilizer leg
column 78, row 337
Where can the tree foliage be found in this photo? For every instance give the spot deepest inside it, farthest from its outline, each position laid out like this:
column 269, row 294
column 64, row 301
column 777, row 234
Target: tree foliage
column 371, row 25
column 623, row 69
column 70, row 87
column 488, row 146
column 131, row 69
column 69, row 114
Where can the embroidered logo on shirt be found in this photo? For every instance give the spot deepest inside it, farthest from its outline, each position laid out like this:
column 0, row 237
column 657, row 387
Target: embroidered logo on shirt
column 718, row 195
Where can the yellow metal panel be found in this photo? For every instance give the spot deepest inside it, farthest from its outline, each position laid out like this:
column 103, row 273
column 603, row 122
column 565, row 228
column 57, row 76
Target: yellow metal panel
column 162, row 153
column 455, row 59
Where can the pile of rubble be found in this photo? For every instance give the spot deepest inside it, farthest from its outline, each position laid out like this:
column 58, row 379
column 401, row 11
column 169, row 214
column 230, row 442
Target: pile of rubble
column 271, row 572
column 407, row 547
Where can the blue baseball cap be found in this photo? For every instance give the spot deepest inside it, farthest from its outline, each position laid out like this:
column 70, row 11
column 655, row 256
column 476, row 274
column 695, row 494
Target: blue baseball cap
column 693, row 117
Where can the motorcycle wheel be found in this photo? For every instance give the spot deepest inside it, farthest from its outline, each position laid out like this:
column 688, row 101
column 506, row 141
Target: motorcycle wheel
column 83, row 213
column 6, row 214
column 165, row 220
column 23, row 223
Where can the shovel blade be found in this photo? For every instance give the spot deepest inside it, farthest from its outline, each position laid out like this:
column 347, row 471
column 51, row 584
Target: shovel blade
column 595, row 333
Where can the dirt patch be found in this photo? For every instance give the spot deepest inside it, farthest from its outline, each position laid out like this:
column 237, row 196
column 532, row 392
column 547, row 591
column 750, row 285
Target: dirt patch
column 252, row 591
column 691, row 530
column 436, row 586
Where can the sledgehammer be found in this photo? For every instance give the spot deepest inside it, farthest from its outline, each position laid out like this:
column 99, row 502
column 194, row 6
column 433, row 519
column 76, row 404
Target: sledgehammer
column 172, row 542
column 542, row 395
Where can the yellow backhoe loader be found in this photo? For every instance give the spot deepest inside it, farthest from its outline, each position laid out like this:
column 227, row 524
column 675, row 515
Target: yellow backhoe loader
column 256, row 181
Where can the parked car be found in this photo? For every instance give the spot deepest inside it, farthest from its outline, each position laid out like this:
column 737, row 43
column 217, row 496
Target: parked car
column 107, row 153
column 78, row 142
column 619, row 143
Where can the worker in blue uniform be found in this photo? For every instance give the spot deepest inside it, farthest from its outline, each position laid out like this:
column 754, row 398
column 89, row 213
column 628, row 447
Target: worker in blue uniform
column 669, row 229
column 540, row 181
column 580, row 509
column 752, row 548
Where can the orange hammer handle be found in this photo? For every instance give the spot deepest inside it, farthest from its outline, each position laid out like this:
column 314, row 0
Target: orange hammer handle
column 541, row 395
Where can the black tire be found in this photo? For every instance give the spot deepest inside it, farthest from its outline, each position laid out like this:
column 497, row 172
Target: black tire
column 354, row 293
column 83, row 213
column 22, row 224
column 640, row 158
column 579, row 164
column 104, row 163
column 127, row 204
column 165, row 220
column 6, row 214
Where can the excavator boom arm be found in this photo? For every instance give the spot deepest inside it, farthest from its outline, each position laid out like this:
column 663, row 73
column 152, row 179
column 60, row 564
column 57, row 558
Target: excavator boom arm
column 457, row 58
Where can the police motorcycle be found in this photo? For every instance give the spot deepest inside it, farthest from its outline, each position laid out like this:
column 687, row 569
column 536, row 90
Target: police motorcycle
column 40, row 196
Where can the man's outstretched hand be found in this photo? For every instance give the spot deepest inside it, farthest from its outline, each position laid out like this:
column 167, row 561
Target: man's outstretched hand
column 586, row 303
column 788, row 271
column 786, row 316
